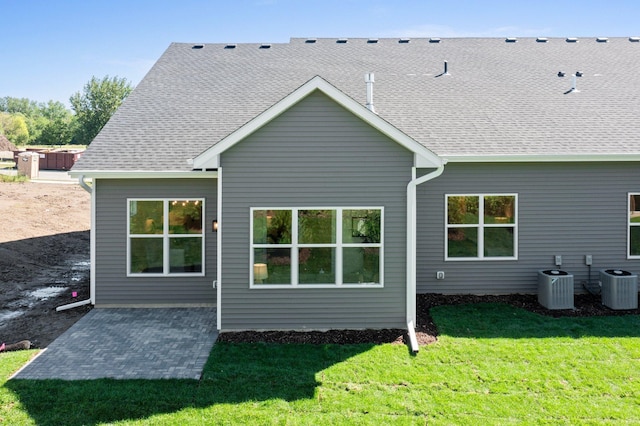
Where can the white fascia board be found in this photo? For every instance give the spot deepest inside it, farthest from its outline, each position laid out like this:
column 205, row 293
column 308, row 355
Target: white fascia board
column 541, row 158
column 211, row 157
column 140, row 174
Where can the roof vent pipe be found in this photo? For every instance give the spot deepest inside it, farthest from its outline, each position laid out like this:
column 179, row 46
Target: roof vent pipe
column 574, row 81
column 446, row 68
column 368, row 78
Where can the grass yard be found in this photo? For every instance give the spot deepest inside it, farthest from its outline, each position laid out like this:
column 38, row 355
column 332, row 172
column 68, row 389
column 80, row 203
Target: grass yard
column 493, row 364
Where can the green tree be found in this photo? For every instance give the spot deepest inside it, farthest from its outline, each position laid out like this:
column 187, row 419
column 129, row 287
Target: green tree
column 60, row 127
column 14, row 127
column 48, row 123
column 95, row 105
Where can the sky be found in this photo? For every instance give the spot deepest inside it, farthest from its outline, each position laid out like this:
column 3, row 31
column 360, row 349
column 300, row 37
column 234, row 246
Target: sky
column 49, row 49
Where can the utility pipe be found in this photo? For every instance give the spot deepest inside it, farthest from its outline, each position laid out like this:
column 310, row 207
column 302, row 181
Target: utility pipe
column 411, row 249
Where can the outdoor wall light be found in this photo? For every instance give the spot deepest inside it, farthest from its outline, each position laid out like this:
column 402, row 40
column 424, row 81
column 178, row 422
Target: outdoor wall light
column 214, row 225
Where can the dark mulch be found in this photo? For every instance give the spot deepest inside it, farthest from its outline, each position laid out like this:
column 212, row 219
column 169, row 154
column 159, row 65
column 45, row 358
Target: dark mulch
column 426, row 331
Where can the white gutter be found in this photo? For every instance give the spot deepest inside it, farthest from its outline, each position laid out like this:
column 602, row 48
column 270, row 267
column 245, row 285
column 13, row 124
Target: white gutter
column 411, row 250
column 91, row 299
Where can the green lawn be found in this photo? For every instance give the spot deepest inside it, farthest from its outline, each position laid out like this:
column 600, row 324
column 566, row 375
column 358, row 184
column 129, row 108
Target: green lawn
column 493, row 364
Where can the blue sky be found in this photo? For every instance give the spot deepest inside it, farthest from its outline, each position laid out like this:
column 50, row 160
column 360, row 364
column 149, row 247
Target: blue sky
column 50, row 48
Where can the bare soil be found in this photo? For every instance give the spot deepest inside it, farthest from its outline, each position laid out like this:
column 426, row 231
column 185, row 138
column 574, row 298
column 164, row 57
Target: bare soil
column 44, row 258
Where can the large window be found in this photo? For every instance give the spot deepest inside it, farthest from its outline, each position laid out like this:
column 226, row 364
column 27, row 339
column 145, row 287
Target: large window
column 316, row 247
column 165, row 237
column 481, row 226
column 634, row 226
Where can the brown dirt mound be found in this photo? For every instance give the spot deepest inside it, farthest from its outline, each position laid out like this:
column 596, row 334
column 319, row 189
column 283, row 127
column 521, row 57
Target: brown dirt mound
column 6, row 145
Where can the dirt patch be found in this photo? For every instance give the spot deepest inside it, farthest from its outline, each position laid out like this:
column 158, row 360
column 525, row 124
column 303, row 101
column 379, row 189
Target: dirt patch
column 44, row 259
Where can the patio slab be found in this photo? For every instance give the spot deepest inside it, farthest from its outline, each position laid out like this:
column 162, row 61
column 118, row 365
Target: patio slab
column 158, row 343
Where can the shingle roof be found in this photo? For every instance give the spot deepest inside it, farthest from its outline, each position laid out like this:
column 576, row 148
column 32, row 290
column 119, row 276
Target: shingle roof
column 501, row 97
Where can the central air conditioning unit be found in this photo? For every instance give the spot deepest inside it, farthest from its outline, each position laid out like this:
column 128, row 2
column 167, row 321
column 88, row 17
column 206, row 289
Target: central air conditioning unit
column 619, row 289
column 555, row 289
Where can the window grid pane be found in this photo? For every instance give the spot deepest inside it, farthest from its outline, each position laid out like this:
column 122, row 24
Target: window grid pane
column 166, row 237
column 481, row 226
column 314, row 243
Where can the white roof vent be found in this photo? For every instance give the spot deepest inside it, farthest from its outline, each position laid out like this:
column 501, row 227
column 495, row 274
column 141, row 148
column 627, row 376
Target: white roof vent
column 369, row 80
column 572, row 39
column 511, row 40
column 602, row 39
column 542, row 39
column 634, row 39
column 372, row 41
column 434, row 40
column 230, row 46
column 310, row 41
column 342, row 41
column 404, row 40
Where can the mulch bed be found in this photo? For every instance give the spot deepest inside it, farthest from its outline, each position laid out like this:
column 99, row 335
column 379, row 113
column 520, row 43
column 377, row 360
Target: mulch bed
column 426, row 331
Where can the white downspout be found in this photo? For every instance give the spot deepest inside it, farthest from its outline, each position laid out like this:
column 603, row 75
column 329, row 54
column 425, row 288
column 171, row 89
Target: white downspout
column 92, row 239
column 219, row 254
column 411, row 250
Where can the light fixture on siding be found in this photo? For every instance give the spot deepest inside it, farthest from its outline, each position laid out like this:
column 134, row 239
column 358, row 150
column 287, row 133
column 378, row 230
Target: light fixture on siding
column 214, row 225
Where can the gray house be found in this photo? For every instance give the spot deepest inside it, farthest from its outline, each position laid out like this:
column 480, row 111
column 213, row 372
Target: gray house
column 323, row 183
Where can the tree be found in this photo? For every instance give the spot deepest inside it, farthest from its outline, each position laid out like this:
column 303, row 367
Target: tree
column 14, row 127
column 96, row 104
column 48, row 123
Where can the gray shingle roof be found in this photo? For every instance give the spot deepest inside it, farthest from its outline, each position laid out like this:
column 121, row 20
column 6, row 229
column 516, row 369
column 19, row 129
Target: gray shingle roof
column 501, row 98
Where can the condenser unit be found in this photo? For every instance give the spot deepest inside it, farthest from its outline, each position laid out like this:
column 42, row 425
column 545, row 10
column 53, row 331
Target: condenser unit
column 555, row 289
column 619, row 289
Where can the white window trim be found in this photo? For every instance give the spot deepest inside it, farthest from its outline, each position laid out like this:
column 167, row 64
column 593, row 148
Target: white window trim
column 165, row 236
column 339, row 245
column 629, row 225
column 481, row 225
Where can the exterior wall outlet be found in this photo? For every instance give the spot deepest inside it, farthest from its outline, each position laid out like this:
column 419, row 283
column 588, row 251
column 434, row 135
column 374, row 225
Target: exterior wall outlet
column 558, row 260
column 588, row 260
column 440, row 275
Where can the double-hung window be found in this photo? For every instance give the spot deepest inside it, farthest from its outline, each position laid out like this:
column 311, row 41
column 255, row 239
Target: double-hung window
column 633, row 226
column 165, row 237
column 481, row 227
column 315, row 247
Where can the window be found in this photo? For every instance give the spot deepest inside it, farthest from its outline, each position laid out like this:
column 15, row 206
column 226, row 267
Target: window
column 315, row 247
column 481, row 227
column 634, row 226
column 165, row 237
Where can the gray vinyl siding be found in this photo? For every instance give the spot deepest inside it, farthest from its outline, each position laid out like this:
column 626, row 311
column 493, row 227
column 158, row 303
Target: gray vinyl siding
column 567, row 209
column 315, row 154
column 113, row 287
